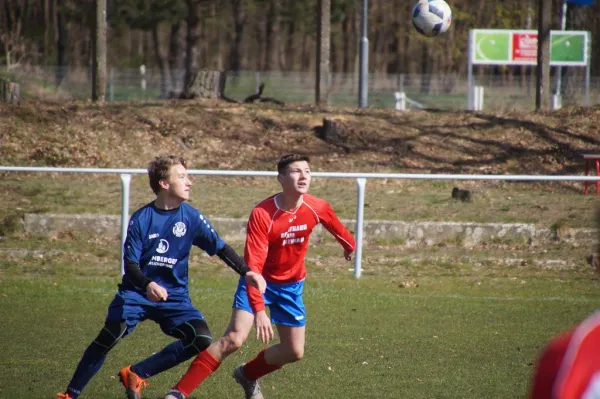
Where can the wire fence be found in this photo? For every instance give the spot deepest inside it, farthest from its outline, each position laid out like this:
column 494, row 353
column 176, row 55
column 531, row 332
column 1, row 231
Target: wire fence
column 441, row 91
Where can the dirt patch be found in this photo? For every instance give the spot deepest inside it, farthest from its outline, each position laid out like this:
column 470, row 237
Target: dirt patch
column 220, row 135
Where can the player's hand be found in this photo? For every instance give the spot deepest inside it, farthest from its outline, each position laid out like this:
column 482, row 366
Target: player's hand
column 256, row 280
column 264, row 330
column 156, row 293
column 348, row 254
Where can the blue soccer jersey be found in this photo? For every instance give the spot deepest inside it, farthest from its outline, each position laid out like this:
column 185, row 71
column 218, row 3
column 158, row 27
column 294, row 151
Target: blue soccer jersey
column 160, row 241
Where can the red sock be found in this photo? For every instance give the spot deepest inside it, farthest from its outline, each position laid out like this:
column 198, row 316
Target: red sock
column 203, row 365
column 258, row 367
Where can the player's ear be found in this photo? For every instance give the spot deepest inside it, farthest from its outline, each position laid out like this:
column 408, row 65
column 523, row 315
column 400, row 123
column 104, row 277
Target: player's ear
column 164, row 184
column 280, row 178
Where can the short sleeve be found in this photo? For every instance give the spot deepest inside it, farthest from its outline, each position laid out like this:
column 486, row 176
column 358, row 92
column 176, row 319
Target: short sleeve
column 206, row 237
column 133, row 242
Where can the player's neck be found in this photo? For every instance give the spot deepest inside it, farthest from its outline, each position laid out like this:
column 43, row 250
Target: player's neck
column 166, row 202
column 288, row 202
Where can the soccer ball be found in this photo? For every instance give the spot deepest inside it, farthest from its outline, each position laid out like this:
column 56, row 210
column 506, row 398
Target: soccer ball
column 431, row 17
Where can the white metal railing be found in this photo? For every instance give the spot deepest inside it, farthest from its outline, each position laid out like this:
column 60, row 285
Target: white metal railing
column 361, row 179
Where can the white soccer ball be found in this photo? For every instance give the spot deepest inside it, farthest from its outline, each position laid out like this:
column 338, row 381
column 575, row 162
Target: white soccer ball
column 431, row 17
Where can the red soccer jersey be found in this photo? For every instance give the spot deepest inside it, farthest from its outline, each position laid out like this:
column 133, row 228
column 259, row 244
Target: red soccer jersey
column 569, row 367
column 277, row 240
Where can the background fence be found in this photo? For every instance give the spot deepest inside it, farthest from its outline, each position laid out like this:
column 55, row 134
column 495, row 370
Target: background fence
column 449, row 91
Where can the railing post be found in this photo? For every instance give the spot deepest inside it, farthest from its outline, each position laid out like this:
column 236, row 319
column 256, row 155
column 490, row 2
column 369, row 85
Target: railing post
column 360, row 207
column 125, row 183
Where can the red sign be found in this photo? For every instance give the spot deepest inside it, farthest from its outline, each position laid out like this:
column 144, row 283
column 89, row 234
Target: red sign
column 525, row 47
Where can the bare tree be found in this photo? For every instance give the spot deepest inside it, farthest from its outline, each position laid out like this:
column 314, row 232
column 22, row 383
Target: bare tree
column 323, row 50
column 238, row 9
column 11, row 31
column 272, row 35
column 99, row 53
column 542, row 94
column 61, row 41
column 191, row 40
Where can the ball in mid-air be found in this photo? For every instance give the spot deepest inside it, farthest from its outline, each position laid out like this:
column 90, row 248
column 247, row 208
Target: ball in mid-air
column 431, row 17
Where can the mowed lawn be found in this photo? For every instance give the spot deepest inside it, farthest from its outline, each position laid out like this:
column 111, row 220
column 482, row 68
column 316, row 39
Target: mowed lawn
column 465, row 331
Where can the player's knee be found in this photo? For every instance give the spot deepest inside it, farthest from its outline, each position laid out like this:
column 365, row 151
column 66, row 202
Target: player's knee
column 232, row 341
column 294, row 354
column 195, row 336
column 109, row 336
column 200, row 343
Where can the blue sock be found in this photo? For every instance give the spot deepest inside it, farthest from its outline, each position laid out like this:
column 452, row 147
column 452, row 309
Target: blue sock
column 88, row 366
column 170, row 356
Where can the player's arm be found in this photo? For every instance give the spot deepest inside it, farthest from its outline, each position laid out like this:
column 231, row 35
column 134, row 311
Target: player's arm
column 132, row 255
column 255, row 251
column 579, row 373
column 234, row 261
column 133, row 272
column 334, row 226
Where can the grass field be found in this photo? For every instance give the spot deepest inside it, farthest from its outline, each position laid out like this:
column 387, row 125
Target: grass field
column 542, row 203
column 439, row 321
column 463, row 329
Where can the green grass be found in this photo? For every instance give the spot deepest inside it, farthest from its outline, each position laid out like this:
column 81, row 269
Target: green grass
column 470, row 329
column 543, row 204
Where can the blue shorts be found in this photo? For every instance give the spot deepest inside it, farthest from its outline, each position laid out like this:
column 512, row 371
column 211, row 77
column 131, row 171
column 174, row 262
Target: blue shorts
column 132, row 307
column 284, row 302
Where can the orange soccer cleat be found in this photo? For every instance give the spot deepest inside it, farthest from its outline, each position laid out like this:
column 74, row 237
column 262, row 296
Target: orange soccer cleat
column 62, row 396
column 132, row 382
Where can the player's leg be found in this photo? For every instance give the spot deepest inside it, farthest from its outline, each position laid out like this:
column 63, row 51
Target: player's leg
column 179, row 319
column 289, row 315
column 193, row 336
column 208, row 361
column 234, row 337
column 120, row 321
column 289, row 349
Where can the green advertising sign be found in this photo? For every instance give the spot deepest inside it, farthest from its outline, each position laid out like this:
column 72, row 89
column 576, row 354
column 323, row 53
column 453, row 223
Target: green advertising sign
column 519, row 47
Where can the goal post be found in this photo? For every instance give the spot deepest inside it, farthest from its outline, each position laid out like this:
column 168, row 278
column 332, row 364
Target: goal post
column 519, row 47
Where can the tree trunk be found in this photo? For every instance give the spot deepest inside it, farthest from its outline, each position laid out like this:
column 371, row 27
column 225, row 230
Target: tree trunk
column 191, row 40
column 165, row 86
column 323, row 51
column 61, row 41
column 173, row 57
column 272, row 36
column 206, row 84
column 99, row 53
column 543, row 91
column 290, row 51
column 10, row 93
column 346, row 36
column 238, row 10
column 47, row 29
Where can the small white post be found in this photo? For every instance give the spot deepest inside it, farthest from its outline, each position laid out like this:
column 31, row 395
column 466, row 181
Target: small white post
column 480, row 98
column 360, row 207
column 556, row 102
column 125, row 184
column 400, row 100
column 143, row 75
column 475, row 98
